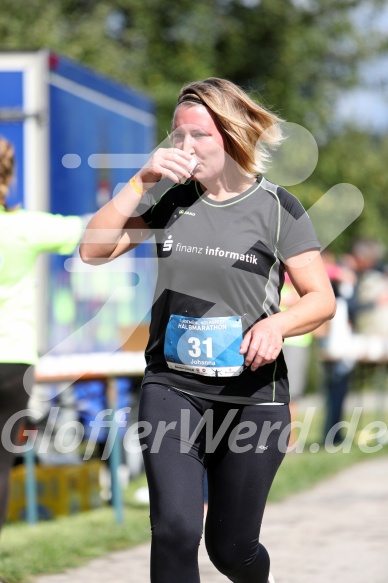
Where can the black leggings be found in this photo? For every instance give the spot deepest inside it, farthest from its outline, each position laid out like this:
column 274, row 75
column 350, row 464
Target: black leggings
column 14, row 394
column 240, row 470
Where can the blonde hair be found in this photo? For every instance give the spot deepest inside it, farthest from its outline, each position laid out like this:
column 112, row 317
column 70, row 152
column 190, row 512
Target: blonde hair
column 249, row 130
column 7, row 163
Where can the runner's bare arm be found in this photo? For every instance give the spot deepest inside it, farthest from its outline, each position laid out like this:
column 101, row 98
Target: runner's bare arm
column 263, row 343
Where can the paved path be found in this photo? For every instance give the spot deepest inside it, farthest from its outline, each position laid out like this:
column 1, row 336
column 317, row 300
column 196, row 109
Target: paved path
column 335, row 533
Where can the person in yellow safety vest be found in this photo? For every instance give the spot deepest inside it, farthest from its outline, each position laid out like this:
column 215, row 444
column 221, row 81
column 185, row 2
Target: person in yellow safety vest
column 24, row 235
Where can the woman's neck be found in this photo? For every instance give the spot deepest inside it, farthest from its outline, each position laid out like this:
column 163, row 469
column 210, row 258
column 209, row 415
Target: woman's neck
column 222, row 190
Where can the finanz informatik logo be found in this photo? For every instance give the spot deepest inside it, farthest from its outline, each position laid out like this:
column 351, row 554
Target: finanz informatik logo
column 167, row 246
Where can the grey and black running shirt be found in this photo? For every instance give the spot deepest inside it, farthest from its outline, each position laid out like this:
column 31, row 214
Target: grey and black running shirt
column 220, row 259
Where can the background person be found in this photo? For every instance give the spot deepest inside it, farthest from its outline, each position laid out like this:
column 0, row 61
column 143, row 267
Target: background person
column 224, row 240
column 361, row 289
column 23, row 236
column 335, row 337
column 368, row 305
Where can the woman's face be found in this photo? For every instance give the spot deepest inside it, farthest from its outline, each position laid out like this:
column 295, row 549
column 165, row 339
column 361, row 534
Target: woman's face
column 195, row 132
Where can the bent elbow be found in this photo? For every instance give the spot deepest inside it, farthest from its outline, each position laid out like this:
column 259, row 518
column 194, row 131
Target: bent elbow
column 332, row 308
column 84, row 255
column 90, row 259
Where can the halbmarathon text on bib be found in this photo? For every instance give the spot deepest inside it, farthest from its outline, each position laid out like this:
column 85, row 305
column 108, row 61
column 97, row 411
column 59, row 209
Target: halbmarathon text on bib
column 204, row 346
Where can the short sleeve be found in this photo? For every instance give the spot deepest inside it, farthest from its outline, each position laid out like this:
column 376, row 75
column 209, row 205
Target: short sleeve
column 296, row 231
column 145, row 208
column 152, row 212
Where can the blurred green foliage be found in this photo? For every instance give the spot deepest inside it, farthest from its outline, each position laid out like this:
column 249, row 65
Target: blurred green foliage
column 296, row 56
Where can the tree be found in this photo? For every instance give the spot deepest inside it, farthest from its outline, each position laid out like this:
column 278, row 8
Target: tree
column 358, row 158
column 298, row 54
column 295, row 55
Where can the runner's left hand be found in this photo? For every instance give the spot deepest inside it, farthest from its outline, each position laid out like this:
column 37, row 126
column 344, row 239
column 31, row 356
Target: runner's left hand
column 262, row 344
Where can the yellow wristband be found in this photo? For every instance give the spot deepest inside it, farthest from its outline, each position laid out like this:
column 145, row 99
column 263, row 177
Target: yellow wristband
column 133, row 183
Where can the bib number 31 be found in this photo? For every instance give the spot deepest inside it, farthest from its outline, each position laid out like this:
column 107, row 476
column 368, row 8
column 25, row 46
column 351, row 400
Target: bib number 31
column 195, row 351
column 204, row 346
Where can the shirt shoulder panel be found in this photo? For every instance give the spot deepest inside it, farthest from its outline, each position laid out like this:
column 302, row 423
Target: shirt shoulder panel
column 296, row 233
column 285, row 199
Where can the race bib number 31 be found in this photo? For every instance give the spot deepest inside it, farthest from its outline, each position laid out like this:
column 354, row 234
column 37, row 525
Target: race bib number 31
column 204, row 346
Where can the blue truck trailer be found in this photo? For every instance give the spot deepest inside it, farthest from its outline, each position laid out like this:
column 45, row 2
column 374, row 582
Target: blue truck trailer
column 78, row 135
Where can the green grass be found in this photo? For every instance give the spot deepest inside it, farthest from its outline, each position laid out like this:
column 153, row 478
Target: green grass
column 53, row 546
column 69, row 541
